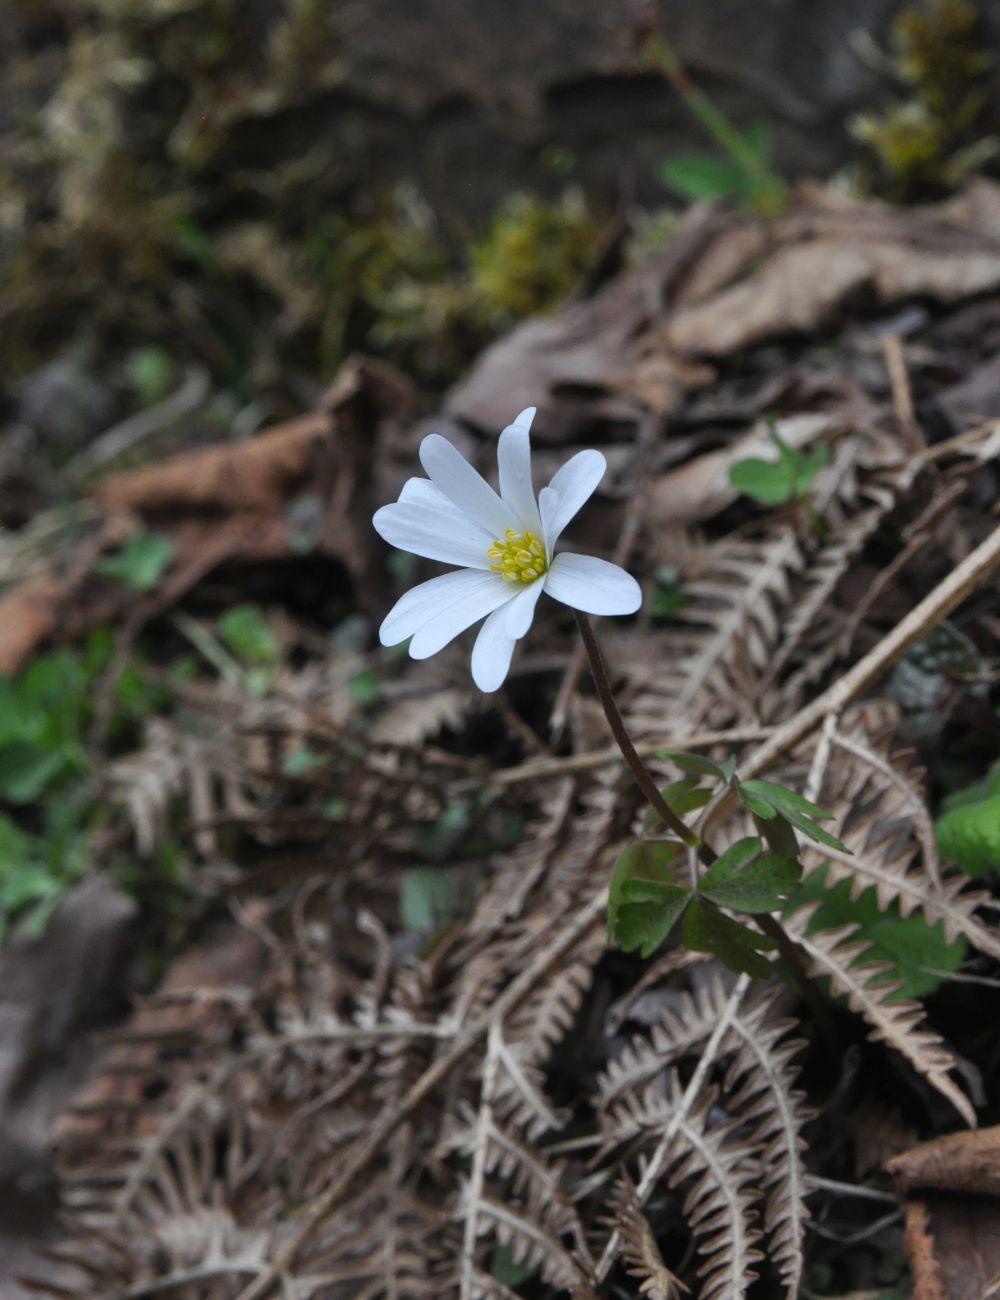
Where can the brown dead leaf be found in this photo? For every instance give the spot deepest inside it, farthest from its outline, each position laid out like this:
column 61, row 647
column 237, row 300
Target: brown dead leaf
column 828, row 253
column 959, row 1162
column 255, row 475
column 951, row 1198
column 953, row 1243
column 235, row 502
column 575, row 366
column 701, row 488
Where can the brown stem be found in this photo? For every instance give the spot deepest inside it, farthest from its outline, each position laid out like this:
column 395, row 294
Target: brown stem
column 639, row 770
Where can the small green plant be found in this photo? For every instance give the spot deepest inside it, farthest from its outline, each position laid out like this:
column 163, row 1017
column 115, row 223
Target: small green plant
column 968, row 830
column 247, row 633
column 756, row 874
column 141, row 562
column 48, row 803
column 426, row 900
column 668, row 596
column 149, row 371
column 743, row 171
column 708, row 176
column 775, row 483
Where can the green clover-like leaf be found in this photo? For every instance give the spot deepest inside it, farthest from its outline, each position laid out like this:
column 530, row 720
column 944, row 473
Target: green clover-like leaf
column 706, row 929
column 767, row 800
column 744, row 880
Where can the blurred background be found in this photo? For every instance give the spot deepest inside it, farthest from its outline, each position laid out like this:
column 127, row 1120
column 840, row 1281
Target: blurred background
column 222, row 201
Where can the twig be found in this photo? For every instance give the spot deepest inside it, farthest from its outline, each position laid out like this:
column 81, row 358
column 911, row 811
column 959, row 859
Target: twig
column 551, row 768
column 973, row 570
column 902, row 397
column 124, row 437
column 921, row 532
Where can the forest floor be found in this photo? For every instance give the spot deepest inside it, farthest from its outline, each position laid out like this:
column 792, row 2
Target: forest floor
column 308, row 967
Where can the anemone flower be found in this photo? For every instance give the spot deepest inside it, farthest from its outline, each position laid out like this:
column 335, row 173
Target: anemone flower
column 505, row 545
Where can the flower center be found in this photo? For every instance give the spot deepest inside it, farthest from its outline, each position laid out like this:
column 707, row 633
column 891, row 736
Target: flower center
column 520, row 557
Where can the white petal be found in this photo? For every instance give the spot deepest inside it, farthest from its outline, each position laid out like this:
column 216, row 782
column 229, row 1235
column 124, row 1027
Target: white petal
column 422, row 603
column 514, row 459
column 592, row 586
column 573, row 484
column 492, row 652
column 521, row 609
column 548, row 507
column 422, row 492
column 468, row 608
column 433, row 533
column 463, row 486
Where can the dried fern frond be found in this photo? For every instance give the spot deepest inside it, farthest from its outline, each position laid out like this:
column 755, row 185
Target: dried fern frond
column 719, row 1205
column 638, row 1245
column 768, row 1100
column 879, row 812
column 840, row 955
column 709, row 675
column 680, row 1029
column 533, row 1240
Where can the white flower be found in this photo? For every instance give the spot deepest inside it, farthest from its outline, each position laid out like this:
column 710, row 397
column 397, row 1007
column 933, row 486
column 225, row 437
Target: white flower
column 505, row 547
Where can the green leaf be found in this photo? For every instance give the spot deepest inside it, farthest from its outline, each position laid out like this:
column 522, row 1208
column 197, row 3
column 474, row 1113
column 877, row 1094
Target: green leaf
column 30, row 884
column 141, row 562
column 769, row 483
column 365, row 687
column 149, row 371
column 645, row 925
column 968, row 830
column 301, row 762
column 426, row 900
column 681, row 797
column 779, row 835
column 744, row 881
column 508, row 1269
column 440, row 837
column 773, row 483
column 694, row 764
column 246, row 632
column 757, row 138
column 767, row 800
column 920, row 956
column 668, row 596
column 15, row 847
column 970, row 836
column 26, row 771
column 707, row 930
column 702, row 176
column 644, row 899
column 728, row 769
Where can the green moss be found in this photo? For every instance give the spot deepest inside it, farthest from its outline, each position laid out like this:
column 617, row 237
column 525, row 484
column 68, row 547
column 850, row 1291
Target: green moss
column 532, row 256
column 932, row 139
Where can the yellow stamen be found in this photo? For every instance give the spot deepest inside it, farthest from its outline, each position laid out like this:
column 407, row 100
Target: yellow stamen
column 520, row 557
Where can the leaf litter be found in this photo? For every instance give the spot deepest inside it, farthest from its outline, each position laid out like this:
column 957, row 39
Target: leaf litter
column 412, row 1079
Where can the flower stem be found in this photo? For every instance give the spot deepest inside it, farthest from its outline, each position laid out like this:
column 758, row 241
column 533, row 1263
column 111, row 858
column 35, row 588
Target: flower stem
column 768, row 924
column 640, row 771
